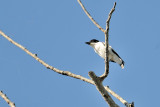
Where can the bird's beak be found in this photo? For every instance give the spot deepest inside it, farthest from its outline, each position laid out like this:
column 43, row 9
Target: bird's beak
column 88, row 43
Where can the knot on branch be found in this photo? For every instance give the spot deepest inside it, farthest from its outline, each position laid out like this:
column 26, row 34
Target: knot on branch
column 91, row 73
column 129, row 104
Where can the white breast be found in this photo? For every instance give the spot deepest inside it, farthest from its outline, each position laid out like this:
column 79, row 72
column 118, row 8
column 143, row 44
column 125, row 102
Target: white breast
column 100, row 49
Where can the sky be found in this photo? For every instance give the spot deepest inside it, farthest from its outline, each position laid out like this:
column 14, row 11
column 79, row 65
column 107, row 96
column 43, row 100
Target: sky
column 57, row 30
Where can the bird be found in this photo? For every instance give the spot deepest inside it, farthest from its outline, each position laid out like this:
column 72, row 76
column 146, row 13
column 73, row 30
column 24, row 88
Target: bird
column 99, row 48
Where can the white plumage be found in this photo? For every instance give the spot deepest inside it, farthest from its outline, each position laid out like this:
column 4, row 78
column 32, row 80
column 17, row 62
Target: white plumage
column 99, row 48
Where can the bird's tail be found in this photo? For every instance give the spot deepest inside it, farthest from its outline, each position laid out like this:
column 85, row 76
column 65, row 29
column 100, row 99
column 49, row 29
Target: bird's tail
column 122, row 64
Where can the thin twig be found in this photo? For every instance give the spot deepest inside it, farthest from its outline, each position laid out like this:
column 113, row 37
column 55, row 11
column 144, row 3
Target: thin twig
column 109, row 18
column 107, row 44
column 87, row 13
column 119, row 98
column 4, row 96
column 102, row 90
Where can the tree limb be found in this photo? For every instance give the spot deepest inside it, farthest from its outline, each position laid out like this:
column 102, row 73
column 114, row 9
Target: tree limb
column 67, row 73
column 4, row 96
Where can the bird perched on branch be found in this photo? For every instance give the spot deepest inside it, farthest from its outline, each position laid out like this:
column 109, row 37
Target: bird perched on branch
column 99, row 48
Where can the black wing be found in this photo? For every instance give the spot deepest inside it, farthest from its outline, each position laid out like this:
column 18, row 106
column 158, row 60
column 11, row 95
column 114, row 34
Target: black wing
column 115, row 53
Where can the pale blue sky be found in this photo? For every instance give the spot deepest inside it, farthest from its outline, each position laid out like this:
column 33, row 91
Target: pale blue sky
column 57, row 31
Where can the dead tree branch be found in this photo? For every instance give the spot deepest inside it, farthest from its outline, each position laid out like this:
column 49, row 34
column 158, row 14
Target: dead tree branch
column 4, row 96
column 97, row 81
column 67, row 73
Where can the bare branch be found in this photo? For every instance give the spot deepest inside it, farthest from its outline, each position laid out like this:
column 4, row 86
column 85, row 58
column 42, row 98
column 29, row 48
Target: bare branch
column 87, row 13
column 4, row 96
column 101, row 89
column 67, row 73
column 107, row 44
column 109, row 18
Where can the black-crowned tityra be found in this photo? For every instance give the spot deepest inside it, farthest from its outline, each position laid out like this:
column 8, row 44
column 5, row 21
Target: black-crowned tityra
column 99, row 48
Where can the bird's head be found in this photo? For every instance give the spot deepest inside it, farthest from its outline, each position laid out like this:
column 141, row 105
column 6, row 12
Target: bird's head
column 92, row 42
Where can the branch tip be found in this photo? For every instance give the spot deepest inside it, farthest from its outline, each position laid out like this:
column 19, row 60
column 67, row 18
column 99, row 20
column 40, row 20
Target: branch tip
column 90, row 17
column 115, row 4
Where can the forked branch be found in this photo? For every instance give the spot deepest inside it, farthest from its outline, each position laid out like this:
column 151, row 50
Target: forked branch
column 102, row 90
column 106, row 32
column 67, row 73
column 98, row 80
